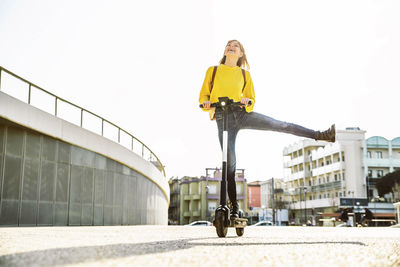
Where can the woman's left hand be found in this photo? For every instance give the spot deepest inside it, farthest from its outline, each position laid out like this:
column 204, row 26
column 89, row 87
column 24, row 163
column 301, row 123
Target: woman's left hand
column 245, row 101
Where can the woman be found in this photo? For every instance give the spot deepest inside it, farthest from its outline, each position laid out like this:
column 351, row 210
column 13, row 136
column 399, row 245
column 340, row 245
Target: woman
column 230, row 80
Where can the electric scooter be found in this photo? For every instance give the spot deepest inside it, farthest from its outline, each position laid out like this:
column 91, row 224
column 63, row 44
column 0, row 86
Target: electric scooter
column 222, row 214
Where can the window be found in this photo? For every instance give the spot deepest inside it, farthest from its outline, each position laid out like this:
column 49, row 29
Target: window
column 379, row 154
column 212, row 205
column 335, row 177
column 369, row 173
column 336, row 194
column 327, row 179
column 212, row 189
column 340, row 194
column 368, row 154
column 238, row 189
column 379, row 173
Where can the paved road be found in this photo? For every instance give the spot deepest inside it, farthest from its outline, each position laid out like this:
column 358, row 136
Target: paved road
column 198, row 246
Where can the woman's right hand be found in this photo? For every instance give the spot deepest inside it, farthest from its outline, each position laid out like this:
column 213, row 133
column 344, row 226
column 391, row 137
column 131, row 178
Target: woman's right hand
column 206, row 105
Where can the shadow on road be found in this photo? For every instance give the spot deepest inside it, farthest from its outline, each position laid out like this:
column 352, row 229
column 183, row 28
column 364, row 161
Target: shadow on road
column 74, row 255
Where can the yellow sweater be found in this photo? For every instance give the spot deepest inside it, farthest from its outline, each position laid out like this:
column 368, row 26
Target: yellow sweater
column 228, row 82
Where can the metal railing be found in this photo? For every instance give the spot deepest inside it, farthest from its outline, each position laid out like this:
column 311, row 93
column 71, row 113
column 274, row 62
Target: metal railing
column 152, row 158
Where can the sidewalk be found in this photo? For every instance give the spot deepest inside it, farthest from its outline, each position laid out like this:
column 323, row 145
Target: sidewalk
column 198, row 246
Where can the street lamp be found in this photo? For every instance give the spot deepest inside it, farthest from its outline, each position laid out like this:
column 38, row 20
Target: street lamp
column 207, row 211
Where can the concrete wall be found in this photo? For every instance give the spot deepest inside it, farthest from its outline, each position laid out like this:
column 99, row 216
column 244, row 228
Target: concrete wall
column 53, row 172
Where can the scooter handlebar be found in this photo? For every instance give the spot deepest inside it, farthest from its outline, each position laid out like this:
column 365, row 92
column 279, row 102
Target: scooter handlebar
column 217, row 104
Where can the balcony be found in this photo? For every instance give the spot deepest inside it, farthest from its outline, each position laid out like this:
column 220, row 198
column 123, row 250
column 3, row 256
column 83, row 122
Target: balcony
column 374, row 162
column 326, row 186
column 328, row 168
column 196, row 213
column 196, row 197
column 293, row 162
column 187, row 214
column 187, row 197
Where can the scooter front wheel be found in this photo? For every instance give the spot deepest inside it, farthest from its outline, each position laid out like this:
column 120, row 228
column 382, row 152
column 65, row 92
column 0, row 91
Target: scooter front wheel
column 220, row 225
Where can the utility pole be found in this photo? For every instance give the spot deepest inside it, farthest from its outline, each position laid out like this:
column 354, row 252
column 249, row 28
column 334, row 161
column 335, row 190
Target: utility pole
column 273, row 202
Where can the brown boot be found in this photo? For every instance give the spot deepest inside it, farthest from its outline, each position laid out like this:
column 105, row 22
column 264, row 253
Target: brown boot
column 328, row 135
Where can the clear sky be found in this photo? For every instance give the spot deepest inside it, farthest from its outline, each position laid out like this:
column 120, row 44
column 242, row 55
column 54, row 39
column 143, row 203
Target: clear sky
column 141, row 64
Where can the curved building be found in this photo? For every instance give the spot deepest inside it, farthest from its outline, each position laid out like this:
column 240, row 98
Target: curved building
column 53, row 172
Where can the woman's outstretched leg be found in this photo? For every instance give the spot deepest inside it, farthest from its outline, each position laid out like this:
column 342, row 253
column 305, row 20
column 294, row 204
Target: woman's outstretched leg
column 257, row 121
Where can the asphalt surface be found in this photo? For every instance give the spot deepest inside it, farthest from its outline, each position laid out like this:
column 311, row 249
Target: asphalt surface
column 198, row 246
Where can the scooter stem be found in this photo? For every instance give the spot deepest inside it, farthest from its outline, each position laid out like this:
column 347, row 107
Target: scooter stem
column 224, row 157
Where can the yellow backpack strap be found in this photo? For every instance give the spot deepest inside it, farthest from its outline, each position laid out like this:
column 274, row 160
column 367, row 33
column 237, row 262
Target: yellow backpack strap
column 244, row 78
column 212, row 79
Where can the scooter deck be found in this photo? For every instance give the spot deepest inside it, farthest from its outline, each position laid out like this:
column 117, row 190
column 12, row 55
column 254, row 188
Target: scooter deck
column 238, row 223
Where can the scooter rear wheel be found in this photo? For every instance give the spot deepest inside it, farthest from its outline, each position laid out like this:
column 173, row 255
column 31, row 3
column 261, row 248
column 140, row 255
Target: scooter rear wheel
column 239, row 231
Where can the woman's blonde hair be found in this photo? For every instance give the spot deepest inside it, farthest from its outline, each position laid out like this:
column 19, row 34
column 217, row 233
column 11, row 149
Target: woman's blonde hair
column 242, row 62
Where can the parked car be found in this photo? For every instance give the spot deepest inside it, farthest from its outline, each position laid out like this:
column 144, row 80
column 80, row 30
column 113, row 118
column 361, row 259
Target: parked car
column 263, row 223
column 200, row 223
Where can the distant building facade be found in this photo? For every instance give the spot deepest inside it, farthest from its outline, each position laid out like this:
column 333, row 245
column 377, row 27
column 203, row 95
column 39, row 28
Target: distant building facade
column 319, row 174
column 199, row 197
column 273, row 201
column 254, row 195
column 174, row 206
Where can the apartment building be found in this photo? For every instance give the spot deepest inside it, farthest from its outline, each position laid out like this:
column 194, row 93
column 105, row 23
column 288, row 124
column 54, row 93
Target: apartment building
column 382, row 156
column 199, row 197
column 174, row 205
column 274, row 201
column 318, row 175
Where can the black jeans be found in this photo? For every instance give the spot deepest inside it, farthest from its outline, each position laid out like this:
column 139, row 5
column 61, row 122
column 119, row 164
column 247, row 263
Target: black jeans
column 239, row 119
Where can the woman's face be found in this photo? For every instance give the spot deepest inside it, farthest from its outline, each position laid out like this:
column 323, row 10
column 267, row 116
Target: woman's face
column 233, row 49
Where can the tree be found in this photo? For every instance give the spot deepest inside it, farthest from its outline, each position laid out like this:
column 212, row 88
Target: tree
column 390, row 183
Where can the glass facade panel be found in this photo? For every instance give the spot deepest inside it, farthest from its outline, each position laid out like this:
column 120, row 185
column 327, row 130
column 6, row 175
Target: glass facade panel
column 99, row 187
column 62, row 182
column 47, row 181
column 61, row 214
column 98, row 215
column 32, row 149
column 87, row 186
column 1, row 139
column 64, row 152
column 31, row 179
column 12, row 178
column 76, row 184
column 75, row 211
column 109, row 189
column 14, row 144
column 45, row 213
column 87, row 215
column 108, row 215
column 9, row 213
column 49, row 149
column 82, row 157
column 1, row 175
column 28, row 213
